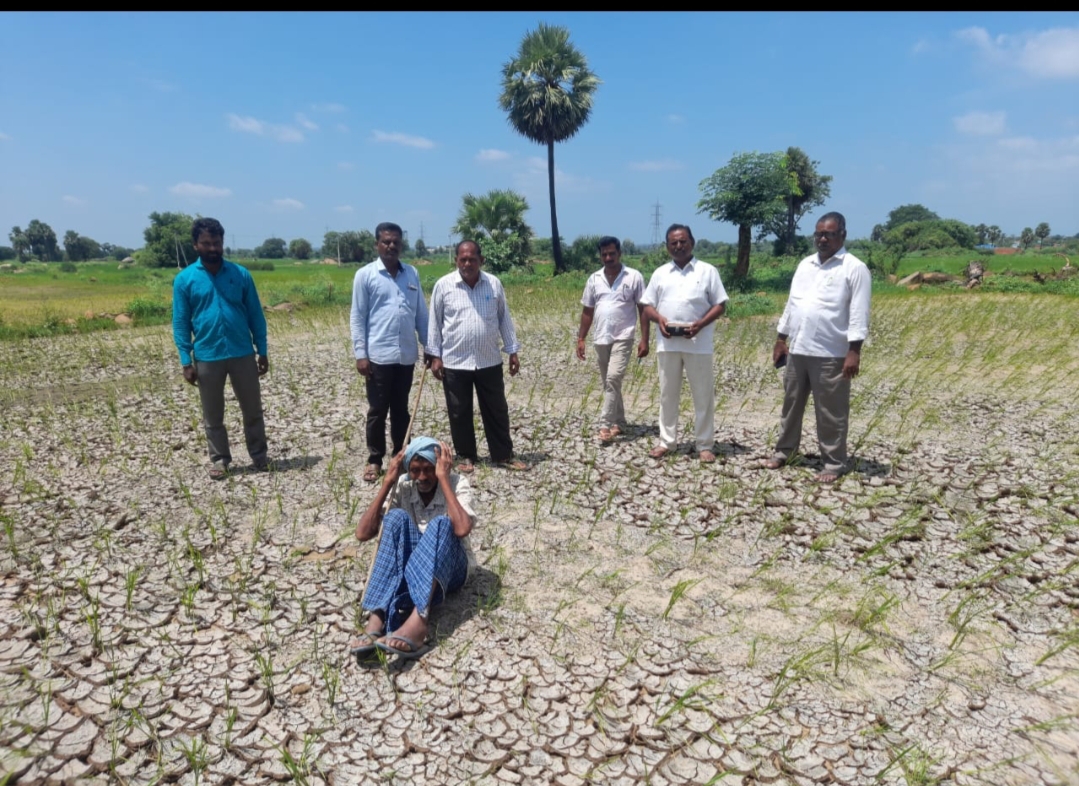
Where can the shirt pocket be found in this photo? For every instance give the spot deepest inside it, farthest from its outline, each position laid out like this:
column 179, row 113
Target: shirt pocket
column 231, row 292
column 831, row 288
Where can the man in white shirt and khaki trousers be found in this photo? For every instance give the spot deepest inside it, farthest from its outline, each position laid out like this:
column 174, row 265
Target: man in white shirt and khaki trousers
column 820, row 335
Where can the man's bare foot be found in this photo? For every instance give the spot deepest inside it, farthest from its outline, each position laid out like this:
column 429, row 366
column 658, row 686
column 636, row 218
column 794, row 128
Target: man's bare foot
column 827, row 477
column 707, row 457
column 772, row 463
column 658, row 453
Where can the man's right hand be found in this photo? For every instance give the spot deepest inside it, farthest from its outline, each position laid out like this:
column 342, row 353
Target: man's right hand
column 364, row 367
column 191, row 374
column 580, row 349
column 437, row 371
column 662, row 322
column 394, row 468
column 779, row 351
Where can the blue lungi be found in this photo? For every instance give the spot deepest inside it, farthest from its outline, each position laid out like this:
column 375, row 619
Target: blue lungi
column 409, row 563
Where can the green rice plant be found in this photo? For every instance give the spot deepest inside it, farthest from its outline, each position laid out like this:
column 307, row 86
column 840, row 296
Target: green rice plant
column 679, row 590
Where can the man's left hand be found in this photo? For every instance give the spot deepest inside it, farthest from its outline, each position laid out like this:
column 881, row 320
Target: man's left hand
column 263, row 365
column 515, row 365
column 850, row 364
column 693, row 329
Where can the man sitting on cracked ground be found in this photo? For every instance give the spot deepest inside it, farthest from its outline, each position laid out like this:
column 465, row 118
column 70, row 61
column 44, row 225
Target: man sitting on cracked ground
column 423, row 553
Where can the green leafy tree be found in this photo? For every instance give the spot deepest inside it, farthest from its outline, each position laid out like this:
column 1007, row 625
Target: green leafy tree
column 905, row 214
column 42, row 241
column 808, row 189
column 583, row 253
column 20, row 243
column 299, row 248
column 749, row 192
column 982, row 231
column 547, row 93
column 421, row 248
column 497, row 220
column 995, row 235
column 1041, row 232
column 1026, row 237
column 168, row 241
column 272, row 248
column 6, row 253
column 355, row 247
column 80, row 248
column 629, row 247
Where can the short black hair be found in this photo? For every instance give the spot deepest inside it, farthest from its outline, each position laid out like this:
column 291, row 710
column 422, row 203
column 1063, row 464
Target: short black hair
column 675, row 227
column 388, row 226
column 211, row 225
column 837, row 217
column 460, row 243
column 607, row 240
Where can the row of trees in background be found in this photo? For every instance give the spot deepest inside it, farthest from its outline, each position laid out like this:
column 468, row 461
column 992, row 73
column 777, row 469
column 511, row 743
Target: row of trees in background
column 38, row 241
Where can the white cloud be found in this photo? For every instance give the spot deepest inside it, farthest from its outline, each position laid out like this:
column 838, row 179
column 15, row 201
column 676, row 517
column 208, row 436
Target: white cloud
column 4, row 137
column 489, row 155
column 199, row 191
column 660, row 165
column 921, row 45
column 343, row 208
column 981, row 123
column 138, row 188
column 71, row 200
column 675, row 119
column 160, row 85
column 288, row 203
column 345, row 166
column 251, row 125
column 1049, row 54
column 397, row 138
column 342, row 128
column 304, row 122
column 533, row 180
column 331, row 108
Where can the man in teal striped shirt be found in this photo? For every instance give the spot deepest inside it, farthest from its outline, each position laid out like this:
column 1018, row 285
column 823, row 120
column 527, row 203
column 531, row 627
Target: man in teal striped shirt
column 215, row 300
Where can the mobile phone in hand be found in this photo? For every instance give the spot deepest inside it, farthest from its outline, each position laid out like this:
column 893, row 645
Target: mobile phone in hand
column 782, row 361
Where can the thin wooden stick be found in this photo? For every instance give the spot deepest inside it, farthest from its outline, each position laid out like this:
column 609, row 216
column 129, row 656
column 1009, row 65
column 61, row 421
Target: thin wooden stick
column 386, row 504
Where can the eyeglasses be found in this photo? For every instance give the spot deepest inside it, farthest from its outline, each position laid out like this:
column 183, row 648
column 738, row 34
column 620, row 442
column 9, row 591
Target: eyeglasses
column 829, row 235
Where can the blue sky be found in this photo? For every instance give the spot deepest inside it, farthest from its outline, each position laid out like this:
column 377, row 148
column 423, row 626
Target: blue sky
column 289, row 124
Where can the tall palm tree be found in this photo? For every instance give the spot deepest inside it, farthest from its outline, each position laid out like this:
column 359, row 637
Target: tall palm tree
column 547, row 93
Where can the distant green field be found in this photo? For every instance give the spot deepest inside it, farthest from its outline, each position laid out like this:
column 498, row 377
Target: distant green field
column 40, row 299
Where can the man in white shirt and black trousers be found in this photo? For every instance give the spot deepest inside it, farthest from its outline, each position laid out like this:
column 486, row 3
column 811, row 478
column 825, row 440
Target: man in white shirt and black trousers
column 468, row 317
column 819, row 337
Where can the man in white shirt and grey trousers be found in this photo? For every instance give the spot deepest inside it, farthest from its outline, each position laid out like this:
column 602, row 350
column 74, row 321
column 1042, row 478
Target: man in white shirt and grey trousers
column 820, row 338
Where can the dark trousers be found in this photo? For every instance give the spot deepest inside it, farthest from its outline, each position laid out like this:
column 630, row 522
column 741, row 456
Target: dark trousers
column 494, row 410
column 243, row 373
column 387, row 392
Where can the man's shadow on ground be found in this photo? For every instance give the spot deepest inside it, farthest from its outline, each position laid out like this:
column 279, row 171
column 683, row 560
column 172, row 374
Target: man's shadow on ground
column 859, row 465
column 280, row 465
column 482, row 594
column 635, row 433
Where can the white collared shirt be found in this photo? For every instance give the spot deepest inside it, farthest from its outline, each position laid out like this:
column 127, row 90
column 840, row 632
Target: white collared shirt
column 615, row 305
column 685, row 295
column 406, row 496
column 828, row 306
column 466, row 323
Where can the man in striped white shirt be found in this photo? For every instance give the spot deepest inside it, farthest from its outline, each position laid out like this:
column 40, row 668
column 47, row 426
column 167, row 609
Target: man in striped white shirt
column 468, row 317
